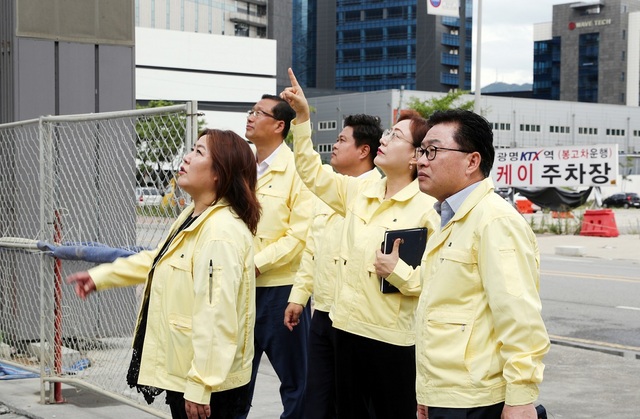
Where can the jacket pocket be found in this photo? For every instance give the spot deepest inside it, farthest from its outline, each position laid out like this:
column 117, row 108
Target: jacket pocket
column 447, row 334
column 179, row 347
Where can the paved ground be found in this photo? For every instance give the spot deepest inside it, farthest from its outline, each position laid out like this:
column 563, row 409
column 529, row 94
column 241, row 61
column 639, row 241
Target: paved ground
column 580, row 382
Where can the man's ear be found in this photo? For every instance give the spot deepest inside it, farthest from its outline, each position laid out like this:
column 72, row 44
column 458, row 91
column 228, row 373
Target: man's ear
column 474, row 162
column 365, row 150
column 279, row 127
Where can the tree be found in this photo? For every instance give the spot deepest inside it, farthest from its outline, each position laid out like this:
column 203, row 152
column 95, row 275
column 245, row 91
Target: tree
column 448, row 101
column 159, row 144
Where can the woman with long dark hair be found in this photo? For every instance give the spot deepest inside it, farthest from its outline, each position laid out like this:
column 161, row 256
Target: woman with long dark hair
column 194, row 336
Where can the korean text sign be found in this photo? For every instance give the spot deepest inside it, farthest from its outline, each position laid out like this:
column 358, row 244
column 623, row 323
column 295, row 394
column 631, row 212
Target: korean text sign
column 588, row 165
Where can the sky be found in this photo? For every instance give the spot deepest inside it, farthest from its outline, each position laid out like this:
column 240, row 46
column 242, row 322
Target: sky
column 507, row 38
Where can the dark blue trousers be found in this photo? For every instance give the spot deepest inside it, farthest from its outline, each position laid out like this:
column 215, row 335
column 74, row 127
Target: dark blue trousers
column 320, row 396
column 287, row 351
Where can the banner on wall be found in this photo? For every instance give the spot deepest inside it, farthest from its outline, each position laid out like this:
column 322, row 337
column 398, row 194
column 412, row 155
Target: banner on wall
column 443, row 7
column 587, row 165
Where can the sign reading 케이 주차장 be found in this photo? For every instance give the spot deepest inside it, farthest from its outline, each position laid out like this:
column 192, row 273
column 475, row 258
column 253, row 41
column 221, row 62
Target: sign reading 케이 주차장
column 584, row 165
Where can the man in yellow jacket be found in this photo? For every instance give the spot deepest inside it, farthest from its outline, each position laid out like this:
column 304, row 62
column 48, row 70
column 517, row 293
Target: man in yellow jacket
column 286, row 213
column 352, row 155
column 480, row 338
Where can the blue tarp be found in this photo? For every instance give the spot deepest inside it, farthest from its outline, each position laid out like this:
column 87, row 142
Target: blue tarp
column 87, row 251
column 10, row 372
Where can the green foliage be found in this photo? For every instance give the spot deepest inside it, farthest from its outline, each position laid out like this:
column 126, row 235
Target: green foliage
column 451, row 100
column 159, row 140
column 289, row 138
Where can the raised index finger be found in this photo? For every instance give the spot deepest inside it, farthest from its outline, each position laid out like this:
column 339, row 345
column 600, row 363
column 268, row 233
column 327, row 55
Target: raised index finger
column 292, row 78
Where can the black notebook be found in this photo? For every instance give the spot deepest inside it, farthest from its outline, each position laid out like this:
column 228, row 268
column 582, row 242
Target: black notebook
column 414, row 242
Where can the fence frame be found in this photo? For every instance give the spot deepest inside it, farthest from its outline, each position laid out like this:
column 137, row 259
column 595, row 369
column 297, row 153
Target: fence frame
column 49, row 230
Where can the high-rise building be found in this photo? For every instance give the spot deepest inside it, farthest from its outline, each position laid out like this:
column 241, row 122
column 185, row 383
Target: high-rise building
column 365, row 45
column 590, row 52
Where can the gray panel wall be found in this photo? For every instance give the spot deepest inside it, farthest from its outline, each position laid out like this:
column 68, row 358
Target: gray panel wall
column 6, row 61
column 76, row 78
column 116, row 78
column 35, row 92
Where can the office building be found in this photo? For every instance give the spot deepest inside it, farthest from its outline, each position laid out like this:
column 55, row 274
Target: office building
column 391, row 44
column 590, row 52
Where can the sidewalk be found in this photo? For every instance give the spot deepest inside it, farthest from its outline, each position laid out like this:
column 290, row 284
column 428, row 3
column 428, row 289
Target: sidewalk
column 625, row 246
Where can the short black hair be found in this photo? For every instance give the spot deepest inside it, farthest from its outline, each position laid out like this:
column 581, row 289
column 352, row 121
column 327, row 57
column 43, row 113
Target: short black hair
column 473, row 133
column 282, row 112
column 367, row 130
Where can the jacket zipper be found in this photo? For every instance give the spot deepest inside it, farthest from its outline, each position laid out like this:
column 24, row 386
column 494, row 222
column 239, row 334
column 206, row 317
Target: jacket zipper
column 210, row 279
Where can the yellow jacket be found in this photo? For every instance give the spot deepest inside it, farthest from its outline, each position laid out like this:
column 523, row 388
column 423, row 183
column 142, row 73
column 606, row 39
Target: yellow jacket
column 199, row 336
column 321, row 255
column 286, row 214
column 480, row 335
column 359, row 305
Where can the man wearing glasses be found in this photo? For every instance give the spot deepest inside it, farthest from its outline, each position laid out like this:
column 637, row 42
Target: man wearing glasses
column 286, row 212
column 480, row 338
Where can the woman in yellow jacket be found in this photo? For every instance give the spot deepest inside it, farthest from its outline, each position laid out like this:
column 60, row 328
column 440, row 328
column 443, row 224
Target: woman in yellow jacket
column 375, row 338
column 194, row 336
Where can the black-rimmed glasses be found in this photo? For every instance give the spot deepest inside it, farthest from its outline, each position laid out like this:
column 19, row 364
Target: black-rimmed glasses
column 259, row 113
column 431, row 151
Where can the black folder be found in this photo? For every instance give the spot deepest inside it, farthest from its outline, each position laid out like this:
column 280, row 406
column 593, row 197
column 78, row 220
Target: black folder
column 414, row 242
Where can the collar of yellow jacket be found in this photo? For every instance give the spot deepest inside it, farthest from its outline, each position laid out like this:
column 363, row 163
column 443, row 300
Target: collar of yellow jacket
column 377, row 190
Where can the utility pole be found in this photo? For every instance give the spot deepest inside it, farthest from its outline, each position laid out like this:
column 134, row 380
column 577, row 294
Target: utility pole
column 478, row 20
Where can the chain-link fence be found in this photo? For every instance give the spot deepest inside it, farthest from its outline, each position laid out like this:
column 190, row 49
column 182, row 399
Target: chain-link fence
column 77, row 190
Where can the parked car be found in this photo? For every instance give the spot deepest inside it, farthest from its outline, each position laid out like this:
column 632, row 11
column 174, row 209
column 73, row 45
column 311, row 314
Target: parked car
column 624, row 200
column 148, row 196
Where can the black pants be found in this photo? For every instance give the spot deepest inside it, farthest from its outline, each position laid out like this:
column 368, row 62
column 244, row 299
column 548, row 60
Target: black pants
column 484, row 412
column 374, row 380
column 224, row 404
column 320, row 394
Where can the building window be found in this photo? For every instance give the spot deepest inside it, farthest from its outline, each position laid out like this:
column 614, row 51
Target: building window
column 324, row 148
column 624, row 34
column 500, row 126
column 327, row 125
column 529, row 128
column 612, row 132
column 556, row 129
column 241, row 29
column 624, row 55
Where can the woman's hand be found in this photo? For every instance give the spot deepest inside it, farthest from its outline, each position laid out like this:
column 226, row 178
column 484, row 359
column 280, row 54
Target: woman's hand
column 385, row 264
column 197, row 411
column 83, row 283
column 296, row 99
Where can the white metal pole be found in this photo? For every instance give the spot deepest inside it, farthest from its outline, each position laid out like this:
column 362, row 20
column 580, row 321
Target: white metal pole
column 478, row 22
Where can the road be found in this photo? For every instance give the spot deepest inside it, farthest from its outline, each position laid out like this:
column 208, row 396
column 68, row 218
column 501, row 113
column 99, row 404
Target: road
column 592, row 301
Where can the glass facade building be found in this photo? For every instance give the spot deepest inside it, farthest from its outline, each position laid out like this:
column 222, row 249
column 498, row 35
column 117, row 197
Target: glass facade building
column 546, row 69
column 365, row 45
